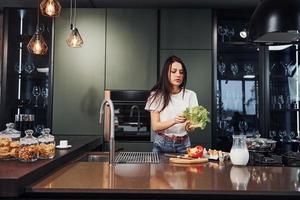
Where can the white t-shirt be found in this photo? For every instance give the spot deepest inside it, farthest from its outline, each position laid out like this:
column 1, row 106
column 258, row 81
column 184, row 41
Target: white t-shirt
column 178, row 103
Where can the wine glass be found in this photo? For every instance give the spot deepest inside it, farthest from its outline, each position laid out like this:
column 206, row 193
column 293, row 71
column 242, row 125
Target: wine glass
column 234, row 68
column 29, row 67
column 44, row 93
column 280, row 101
column 230, row 33
column 249, row 69
column 36, row 94
column 222, row 31
column 221, row 68
column 243, row 125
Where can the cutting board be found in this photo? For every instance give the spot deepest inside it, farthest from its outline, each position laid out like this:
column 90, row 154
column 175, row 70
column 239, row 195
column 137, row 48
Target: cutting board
column 188, row 161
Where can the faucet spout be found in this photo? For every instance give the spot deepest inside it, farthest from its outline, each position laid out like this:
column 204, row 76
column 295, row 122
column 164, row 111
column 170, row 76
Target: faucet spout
column 112, row 128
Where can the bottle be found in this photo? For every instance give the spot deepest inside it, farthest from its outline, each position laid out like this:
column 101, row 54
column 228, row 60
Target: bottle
column 29, row 147
column 46, row 145
column 9, row 143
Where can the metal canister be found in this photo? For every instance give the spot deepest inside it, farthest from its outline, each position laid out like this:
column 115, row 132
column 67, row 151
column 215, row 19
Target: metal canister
column 24, row 122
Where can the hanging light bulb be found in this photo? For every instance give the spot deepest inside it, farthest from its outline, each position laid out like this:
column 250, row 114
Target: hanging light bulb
column 50, row 8
column 74, row 39
column 37, row 44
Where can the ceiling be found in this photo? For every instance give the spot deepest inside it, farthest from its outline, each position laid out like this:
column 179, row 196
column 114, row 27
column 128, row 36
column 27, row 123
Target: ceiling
column 216, row 4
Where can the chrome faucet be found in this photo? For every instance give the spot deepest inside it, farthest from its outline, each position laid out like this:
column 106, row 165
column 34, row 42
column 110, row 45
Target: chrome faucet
column 112, row 128
column 138, row 116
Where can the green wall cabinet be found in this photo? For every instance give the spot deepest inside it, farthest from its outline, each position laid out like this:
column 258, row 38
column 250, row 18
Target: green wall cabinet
column 131, row 50
column 79, row 74
column 187, row 34
column 185, row 29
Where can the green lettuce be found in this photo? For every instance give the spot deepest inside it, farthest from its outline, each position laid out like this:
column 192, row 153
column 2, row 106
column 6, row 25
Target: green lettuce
column 198, row 116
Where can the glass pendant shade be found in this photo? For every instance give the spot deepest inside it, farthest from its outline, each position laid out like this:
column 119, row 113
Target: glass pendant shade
column 50, row 8
column 37, row 44
column 74, row 39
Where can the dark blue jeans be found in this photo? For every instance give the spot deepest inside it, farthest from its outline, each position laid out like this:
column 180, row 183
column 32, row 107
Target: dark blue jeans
column 161, row 145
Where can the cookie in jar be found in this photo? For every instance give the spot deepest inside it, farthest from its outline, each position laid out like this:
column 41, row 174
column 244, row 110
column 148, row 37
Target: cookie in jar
column 46, row 145
column 9, row 143
column 29, row 147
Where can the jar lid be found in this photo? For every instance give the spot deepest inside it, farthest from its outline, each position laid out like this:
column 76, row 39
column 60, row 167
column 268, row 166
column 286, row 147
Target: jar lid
column 28, row 139
column 11, row 132
column 46, row 136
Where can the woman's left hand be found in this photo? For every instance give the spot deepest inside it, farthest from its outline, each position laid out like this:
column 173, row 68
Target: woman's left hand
column 189, row 127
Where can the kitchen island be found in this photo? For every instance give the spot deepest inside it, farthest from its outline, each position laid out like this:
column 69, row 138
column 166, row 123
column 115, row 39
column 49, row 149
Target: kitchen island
column 212, row 180
column 16, row 175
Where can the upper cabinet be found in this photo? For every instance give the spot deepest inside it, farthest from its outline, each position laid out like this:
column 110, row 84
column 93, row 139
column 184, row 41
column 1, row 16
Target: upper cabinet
column 185, row 29
column 131, row 49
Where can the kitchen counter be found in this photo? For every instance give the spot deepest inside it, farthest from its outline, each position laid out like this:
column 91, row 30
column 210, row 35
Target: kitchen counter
column 15, row 175
column 212, row 180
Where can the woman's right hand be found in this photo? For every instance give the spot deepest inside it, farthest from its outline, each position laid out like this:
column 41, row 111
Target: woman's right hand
column 179, row 119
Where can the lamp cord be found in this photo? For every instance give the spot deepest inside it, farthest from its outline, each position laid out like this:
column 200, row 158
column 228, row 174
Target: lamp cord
column 38, row 16
column 71, row 15
column 74, row 13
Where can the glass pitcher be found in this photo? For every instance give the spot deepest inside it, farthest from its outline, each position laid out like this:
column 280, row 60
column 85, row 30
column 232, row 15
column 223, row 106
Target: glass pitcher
column 239, row 154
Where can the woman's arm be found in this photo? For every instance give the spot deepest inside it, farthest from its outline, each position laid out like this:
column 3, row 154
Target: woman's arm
column 158, row 126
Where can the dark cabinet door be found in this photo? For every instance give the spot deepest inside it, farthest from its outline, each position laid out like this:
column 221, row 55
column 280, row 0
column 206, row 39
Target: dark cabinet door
column 283, row 72
column 237, row 83
column 26, row 78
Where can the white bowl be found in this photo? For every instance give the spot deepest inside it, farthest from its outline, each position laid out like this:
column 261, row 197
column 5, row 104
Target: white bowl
column 43, row 70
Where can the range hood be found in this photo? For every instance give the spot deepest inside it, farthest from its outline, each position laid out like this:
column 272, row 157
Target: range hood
column 275, row 22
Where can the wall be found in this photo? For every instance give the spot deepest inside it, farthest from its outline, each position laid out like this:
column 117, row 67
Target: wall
column 79, row 74
column 79, row 83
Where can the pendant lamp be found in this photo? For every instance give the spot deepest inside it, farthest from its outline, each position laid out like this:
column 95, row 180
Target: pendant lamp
column 50, row 8
column 74, row 39
column 275, row 21
column 37, row 44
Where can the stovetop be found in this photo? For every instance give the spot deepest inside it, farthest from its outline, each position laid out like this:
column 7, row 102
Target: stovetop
column 291, row 159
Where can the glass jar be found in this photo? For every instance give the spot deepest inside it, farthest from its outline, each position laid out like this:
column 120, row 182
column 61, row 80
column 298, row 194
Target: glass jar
column 29, row 147
column 9, row 143
column 46, row 145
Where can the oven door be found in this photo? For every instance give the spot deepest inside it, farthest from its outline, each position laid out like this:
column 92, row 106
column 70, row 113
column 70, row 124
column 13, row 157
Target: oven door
column 132, row 121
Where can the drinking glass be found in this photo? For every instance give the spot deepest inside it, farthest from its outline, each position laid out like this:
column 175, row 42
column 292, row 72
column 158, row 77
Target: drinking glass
column 36, row 94
column 44, row 93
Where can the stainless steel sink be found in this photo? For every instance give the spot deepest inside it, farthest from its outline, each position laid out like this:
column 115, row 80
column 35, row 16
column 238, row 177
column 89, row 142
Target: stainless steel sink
column 95, row 157
column 123, row 157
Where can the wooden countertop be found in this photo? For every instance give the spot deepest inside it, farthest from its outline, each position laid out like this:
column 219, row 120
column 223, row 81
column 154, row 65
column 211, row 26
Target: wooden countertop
column 212, row 180
column 16, row 175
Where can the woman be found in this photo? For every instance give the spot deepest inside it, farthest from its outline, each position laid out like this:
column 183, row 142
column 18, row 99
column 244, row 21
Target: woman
column 166, row 103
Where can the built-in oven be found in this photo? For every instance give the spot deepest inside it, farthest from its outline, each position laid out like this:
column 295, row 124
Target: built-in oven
column 132, row 121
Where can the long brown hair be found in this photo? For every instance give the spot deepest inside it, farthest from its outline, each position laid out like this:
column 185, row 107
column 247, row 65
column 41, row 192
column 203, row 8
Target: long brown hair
column 162, row 89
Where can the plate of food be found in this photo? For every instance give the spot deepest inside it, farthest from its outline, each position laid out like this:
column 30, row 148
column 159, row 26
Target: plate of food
column 194, row 155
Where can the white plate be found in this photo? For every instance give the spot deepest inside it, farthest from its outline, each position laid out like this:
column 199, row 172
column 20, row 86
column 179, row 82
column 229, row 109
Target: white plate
column 63, row 147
